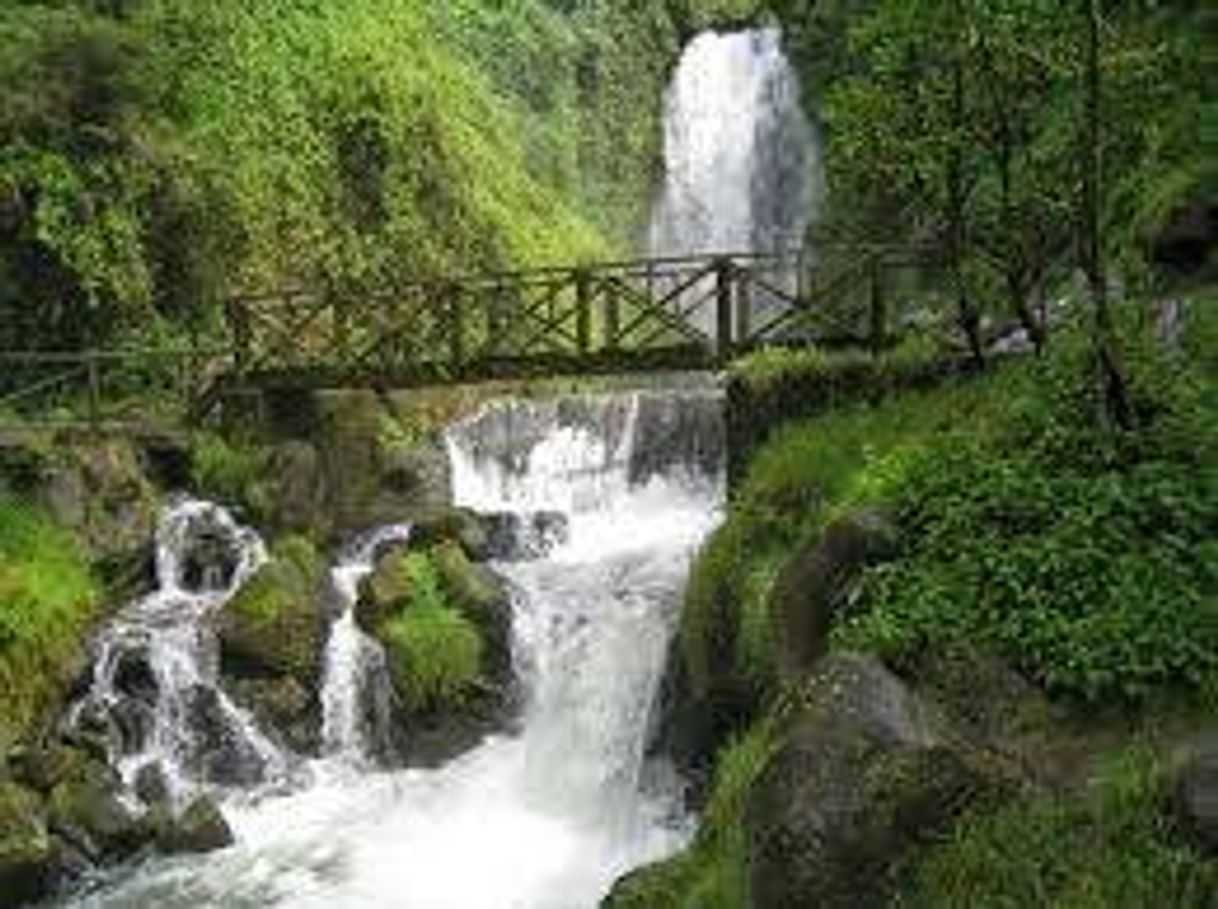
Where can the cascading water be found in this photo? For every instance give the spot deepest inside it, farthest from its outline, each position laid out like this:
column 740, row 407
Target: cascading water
column 740, row 157
column 355, row 689
column 155, row 691
column 546, row 817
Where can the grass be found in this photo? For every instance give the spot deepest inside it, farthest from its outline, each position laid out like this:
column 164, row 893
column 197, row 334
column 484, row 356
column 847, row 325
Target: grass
column 1112, row 847
column 434, row 652
column 435, row 655
column 48, row 597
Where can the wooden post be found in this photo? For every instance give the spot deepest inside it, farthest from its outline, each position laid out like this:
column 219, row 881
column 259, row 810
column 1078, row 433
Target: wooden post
column 583, row 309
column 93, row 369
column 744, row 306
column 239, row 325
column 490, row 307
column 611, row 319
column 723, row 307
column 879, row 313
column 338, row 310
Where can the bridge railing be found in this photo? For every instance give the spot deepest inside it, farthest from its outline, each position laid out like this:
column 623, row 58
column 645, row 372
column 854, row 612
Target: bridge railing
column 678, row 312
column 95, row 388
column 696, row 310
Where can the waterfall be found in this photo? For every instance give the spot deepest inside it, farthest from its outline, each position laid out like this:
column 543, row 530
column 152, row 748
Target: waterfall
column 355, row 697
column 548, row 815
column 154, row 694
column 740, row 157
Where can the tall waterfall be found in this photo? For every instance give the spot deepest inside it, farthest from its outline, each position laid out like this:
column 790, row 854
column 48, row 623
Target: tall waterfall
column 740, row 158
column 548, row 816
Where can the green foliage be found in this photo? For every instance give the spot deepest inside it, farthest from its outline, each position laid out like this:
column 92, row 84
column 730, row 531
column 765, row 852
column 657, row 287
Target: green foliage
column 230, row 471
column 153, row 161
column 435, row 656
column 284, row 587
column 434, row 652
column 1084, row 556
column 961, row 125
column 47, row 599
column 1111, row 848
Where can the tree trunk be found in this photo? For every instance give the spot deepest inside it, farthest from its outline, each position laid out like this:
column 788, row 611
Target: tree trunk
column 966, row 311
column 1110, row 375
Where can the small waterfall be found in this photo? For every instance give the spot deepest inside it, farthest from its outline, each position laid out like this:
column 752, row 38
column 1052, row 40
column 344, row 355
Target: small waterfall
column 155, row 691
column 740, row 156
column 355, row 692
column 548, row 816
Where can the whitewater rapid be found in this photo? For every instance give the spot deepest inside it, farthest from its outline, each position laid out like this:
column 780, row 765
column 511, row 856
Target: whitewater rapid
column 546, row 817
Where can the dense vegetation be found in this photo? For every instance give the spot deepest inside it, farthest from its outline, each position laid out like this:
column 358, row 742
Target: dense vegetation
column 1028, row 528
column 156, row 154
column 48, row 598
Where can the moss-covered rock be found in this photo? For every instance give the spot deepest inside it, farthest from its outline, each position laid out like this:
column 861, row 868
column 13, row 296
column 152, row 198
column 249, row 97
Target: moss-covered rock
column 444, row 624
column 480, row 596
column 468, row 529
column 815, row 581
column 88, row 812
column 1196, row 799
column 863, row 771
column 27, row 854
column 435, row 658
column 272, row 638
column 274, row 622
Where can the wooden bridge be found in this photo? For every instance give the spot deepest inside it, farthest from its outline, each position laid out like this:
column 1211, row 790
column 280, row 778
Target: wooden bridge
column 646, row 315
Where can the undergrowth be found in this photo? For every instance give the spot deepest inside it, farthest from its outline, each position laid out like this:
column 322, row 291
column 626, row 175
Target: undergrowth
column 47, row 599
column 1113, row 847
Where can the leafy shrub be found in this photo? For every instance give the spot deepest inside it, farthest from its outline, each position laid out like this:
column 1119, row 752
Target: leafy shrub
column 1095, row 583
column 1110, row 848
column 1084, row 555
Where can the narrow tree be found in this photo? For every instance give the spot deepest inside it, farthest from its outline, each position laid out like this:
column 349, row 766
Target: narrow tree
column 1110, row 374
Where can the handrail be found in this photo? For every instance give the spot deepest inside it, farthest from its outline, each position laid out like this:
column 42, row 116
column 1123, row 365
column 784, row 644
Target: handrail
column 696, row 310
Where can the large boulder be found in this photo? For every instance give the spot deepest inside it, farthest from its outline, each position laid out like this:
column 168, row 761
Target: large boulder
column 864, row 770
column 100, row 490
column 383, row 591
column 27, row 853
column 218, row 752
column 1196, row 799
column 445, row 625
column 468, row 529
column 814, row 584
column 272, row 640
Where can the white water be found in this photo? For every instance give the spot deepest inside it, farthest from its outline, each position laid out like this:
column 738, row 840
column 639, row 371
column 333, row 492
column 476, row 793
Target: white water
column 156, row 665
column 740, row 158
column 355, row 708
column 544, row 819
